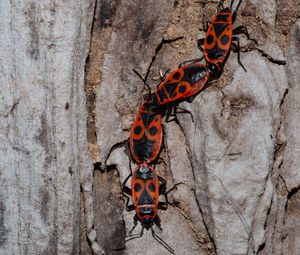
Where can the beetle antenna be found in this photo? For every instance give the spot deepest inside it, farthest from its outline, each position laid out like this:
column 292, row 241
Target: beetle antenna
column 162, row 242
column 144, row 80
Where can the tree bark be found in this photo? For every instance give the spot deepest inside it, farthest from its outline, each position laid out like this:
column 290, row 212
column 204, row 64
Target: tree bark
column 44, row 153
column 68, row 99
column 235, row 158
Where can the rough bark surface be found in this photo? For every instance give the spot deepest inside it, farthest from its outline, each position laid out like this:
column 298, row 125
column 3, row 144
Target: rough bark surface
column 44, row 157
column 235, row 165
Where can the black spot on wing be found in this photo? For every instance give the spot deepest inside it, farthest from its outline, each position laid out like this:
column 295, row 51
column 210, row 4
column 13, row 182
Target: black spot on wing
column 137, row 130
column 152, row 187
column 176, row 75
column 224, row 39
column 209, row 39
column 137, row 187
column 153, row 131
column 182, row 88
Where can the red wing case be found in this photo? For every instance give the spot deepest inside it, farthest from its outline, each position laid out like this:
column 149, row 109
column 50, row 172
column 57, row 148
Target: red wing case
column 145, row 187
column 184, row 82
column 218, row 38
column 146, row 134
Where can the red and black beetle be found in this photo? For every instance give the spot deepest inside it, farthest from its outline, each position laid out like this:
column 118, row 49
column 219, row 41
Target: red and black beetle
column 219, row 37
column 145, row 191
column 146, row 134
column 180, row 85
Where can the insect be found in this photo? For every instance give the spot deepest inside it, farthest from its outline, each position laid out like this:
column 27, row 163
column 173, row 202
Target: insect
column 145, row 191
column 219, row 37
column 146, row 134
column 180, row 85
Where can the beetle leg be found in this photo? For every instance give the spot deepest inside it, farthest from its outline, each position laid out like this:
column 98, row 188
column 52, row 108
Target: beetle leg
column 200, row 43
column 135, row 221
column 162, row 206
column 182, row 110
column 127, row 192
column 135, row 235
column 191, row 61
column 243, row 30
column 235, row 11
column 129, row 208
column 162, row 187
column 169, row 113
column 206, row 26
column 157, row 222
column 124, row 187
column 116, row 146
column 238, row 51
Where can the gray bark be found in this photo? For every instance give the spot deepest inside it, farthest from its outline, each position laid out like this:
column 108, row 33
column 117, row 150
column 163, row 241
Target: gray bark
column 43, row 146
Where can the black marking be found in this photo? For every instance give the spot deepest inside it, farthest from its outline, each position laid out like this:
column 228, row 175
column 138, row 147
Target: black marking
column 146, row 199
column 150, row 106
column 138, row 130
column 219, row 28
column 209, row 39
column 222, row 18
column 194, row 74
column 143, row 148
column 151, row 187
column 137, row 187
column 148, row 118
column 224, row 39
column 176, row 75
column 182, row 88
column 170, row 89
column 161, row 94
column 153, row 130
column 215, row 53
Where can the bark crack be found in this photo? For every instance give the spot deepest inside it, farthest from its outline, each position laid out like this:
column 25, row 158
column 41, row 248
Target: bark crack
column 87, row 190
column 269, row 58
